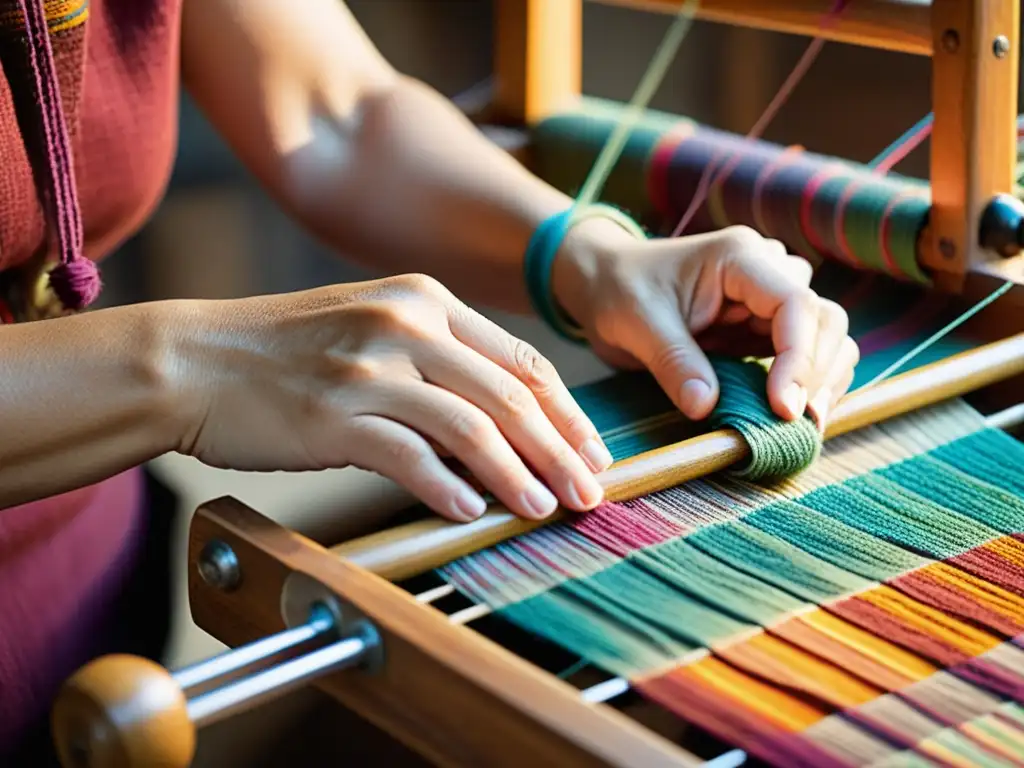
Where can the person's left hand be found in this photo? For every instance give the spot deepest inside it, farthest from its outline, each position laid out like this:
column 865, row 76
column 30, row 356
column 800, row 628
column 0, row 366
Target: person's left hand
column 660, row 304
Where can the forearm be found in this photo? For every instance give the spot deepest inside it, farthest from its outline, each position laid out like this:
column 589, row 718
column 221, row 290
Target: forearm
column 81, row 399
column 381, row 167
column 421, row 190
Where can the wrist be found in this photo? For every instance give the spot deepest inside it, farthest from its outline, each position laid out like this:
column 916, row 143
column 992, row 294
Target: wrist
column 587, row 247
column 168, row 361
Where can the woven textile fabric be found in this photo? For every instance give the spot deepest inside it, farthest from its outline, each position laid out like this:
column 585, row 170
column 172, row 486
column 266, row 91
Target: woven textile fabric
column 868, row 610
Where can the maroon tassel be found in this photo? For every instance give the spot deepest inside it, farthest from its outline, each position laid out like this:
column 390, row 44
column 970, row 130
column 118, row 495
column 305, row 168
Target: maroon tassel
column 77, row 283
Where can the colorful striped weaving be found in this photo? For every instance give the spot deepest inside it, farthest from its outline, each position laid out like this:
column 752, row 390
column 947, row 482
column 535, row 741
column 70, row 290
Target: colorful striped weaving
column 868, row 610
column 819, row 206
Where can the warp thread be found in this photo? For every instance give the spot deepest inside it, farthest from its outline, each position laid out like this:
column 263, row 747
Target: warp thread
column 863, row 615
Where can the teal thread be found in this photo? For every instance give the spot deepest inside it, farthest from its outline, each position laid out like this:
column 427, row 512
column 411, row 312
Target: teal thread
column 539, row 260
column 776, row 562
column 941, row 333
column 990, row 456
column 946, row 485
column 877, row 507
column 537, row 265
column 777, row 447
column 640, row 600
column 684, row 568
column 595, row 635
column 724, row 576
column 833, row 541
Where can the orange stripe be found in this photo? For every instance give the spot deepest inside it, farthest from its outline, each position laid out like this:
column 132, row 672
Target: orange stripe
column 931, row 622
column 790, row 668
column 864, row 649
column 1009, row 549
column 991, row 596
column 778, row 708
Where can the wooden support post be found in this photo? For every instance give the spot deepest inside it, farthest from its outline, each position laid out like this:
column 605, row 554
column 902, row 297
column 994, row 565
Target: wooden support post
column 974, row 139
column 539, row 58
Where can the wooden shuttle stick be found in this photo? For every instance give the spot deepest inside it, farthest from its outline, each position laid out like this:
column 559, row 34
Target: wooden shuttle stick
column 417, row 547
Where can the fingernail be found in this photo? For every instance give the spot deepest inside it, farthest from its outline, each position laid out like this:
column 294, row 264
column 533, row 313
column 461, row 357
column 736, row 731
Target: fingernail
column 587, row 493
column 795, row 399
column 539, row 501
column 694, row 394
column 596, row 455
column 819, row 407
column 469, row 505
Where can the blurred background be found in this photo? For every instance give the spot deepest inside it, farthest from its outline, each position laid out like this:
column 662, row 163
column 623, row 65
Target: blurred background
column 217, row 236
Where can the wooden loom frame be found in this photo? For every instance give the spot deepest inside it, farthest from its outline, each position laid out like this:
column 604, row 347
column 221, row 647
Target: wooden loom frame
column 454, row 696
column 539, row 51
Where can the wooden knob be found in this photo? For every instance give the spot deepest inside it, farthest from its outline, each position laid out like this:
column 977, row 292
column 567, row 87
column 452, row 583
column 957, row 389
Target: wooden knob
column 123, row 712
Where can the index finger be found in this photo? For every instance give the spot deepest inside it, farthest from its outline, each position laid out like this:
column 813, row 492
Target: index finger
column 536, row 372
column 785, row 300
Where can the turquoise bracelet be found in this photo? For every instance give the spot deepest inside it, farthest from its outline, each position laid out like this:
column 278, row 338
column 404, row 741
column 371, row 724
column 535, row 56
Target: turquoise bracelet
column 539, row 260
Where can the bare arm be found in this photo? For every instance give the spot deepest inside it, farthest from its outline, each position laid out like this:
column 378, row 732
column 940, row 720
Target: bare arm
column 82, row 398
column 383, row 168
column 388, row 171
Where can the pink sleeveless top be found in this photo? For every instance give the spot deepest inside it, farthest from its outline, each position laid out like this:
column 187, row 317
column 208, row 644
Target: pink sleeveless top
column 109, row 124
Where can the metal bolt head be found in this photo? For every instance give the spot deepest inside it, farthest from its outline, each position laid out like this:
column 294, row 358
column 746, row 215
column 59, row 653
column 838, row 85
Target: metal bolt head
column 947, row 248
column 951, row 41
column 1001, row 46
column 218, row 566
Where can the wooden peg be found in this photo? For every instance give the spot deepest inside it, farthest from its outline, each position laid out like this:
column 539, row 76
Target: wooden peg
column 123, row 712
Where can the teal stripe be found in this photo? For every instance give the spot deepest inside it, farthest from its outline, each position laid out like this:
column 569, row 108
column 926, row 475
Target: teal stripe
column 833, row 541
column 776, row 562
column 659, row 603
column 686, row 569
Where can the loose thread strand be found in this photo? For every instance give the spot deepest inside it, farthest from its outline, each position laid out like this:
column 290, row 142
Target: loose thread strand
column 645, row 91
column 883, row 163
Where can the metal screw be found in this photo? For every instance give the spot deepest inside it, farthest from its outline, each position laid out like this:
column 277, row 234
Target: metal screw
column 950, row 41
column 947, row 248
column 218, row 566
column 1001, row 46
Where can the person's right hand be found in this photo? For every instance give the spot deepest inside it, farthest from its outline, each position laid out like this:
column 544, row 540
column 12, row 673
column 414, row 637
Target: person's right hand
column 375, row 375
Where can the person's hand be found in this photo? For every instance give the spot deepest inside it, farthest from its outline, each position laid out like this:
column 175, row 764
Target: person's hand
column 661, row 304
column 384, row 375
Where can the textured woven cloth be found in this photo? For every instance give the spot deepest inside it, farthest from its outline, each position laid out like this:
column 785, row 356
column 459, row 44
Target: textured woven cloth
column 63, row 561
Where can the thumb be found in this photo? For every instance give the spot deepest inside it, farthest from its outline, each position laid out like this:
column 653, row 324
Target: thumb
column 668, row 350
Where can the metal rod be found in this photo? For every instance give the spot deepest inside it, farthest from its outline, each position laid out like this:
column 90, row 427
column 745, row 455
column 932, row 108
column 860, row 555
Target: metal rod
column 321, row 623
column 731, row 759
column 274, row 682
column 1011, row 418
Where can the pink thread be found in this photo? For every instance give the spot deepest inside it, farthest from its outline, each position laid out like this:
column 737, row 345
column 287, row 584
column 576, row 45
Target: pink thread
column 839, row 221
column 776, row 104
column 830, row 171
column 911, row 143
column 920, row 318
column 886, row 227
column 658, row 167
column 76, row 280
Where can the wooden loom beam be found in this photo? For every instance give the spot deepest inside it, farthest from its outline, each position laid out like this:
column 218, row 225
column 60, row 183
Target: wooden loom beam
column 411, row 549
column 895, row 25
column 974, row 136
column 539, row 43
column 446, row 692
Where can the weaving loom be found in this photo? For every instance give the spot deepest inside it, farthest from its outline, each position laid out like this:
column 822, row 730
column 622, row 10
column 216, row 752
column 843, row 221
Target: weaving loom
column 748, row 592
